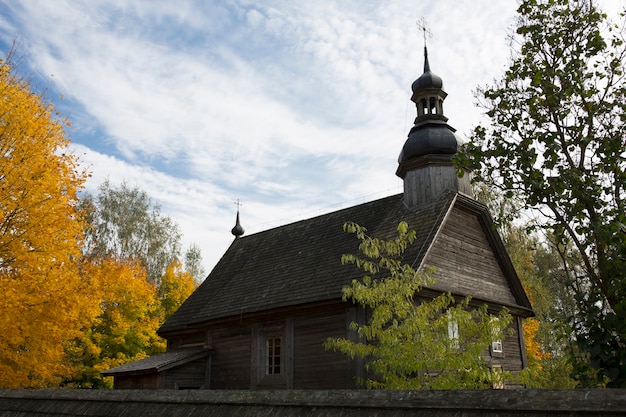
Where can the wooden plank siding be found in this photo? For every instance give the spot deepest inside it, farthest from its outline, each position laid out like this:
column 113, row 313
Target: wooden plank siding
column 137, row 382
column 511, row 357
column 464, row 260
column 314, row 366
column 188, row 376
column 231, row 358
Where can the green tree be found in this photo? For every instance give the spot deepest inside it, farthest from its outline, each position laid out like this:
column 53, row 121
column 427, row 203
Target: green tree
column 556, row 141
column 127, row 224
column 548, row 335
column 412, row 343
column 193, row 263
column 135, row 279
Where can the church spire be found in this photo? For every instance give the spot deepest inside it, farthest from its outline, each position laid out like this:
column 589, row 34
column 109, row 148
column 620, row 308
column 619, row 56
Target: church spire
column 425, row 162
column 421, row 25
column 237, row 231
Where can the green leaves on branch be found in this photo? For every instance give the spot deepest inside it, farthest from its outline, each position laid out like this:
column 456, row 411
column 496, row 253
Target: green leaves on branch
column 411, row 342
column 556, row 139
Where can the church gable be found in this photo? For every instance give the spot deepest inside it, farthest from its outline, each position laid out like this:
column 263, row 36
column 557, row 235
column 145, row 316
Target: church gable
column 467, row 263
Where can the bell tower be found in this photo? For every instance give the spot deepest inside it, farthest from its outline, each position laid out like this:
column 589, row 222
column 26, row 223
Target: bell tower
column 425, row 162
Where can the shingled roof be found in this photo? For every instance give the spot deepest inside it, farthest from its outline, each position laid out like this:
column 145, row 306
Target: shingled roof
column 158, row 363
column 297, row 263
column 300, row 262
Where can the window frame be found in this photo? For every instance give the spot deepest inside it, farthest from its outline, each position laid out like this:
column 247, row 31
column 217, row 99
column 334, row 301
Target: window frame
column 260, row 376
column 453, row 332
column 497, row 346
column 272, row 358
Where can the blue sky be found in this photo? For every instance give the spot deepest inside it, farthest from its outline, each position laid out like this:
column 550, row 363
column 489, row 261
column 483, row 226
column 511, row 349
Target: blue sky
column 295, row 108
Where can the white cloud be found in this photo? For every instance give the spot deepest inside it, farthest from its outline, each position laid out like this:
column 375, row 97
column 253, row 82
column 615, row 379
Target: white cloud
column 296, row 108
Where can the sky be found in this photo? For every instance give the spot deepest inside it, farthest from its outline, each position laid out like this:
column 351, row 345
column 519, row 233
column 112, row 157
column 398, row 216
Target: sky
column 294, row 108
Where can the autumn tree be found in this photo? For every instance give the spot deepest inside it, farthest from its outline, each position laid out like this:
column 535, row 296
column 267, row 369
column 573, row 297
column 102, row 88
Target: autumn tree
column 413, row 343
column 125, row 223
column 176, row 286
column 556, row 141
column 40, row 237
column 547, row 335
column 131, row 264
column 125, row 328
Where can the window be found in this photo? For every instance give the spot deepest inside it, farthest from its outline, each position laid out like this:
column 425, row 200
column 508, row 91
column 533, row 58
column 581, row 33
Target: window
column 272, row 356
column 453, row 332
column 496, row 346
column 496, row 343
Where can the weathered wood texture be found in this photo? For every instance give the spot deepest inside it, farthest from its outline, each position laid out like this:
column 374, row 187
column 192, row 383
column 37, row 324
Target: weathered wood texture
column 316, row 367
column 231, row 361
column 188, row 376
column 427, row 183
column 138, row 382
column 237, row 348
column 292, row 403
column 464, row 260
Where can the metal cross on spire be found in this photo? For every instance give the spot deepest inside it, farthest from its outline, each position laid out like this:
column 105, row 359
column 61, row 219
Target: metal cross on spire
column 238, row 204
column 423, row 26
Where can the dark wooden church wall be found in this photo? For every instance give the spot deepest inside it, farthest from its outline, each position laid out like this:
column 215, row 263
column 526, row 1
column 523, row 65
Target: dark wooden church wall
column 231, row 358
column 188, row 376
column 137, row 382
column 314, row 366
column 465, row 261
column 512, row 347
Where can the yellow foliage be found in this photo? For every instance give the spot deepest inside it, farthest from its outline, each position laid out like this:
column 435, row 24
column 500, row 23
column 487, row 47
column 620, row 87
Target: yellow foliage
column 125, row 328
column 534, row 350
column 175, row 287
column 40, row 234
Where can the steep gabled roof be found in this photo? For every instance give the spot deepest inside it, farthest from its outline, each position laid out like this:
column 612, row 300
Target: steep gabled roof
column 300, row 263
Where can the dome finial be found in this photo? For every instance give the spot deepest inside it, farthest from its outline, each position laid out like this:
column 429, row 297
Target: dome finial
column 237, row 231
column 421, row 25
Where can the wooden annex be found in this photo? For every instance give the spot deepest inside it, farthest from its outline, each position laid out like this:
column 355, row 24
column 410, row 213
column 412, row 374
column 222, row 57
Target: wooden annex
column 260, row 318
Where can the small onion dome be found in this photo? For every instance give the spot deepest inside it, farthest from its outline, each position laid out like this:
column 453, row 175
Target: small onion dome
column 237, row 231
column 428, row 79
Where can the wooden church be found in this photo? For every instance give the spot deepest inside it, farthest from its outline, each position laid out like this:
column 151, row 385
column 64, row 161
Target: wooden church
column 260, row 318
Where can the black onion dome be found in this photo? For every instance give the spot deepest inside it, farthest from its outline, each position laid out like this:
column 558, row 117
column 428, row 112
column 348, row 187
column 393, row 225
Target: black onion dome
column 237, row 231
column 428, row 79
column 432, row 137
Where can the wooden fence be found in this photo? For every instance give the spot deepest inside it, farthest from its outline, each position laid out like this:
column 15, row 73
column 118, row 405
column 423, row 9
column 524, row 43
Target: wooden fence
column 292, row 403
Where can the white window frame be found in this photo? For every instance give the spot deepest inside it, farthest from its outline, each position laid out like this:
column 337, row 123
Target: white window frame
column 496, row 346
column 453, row 331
